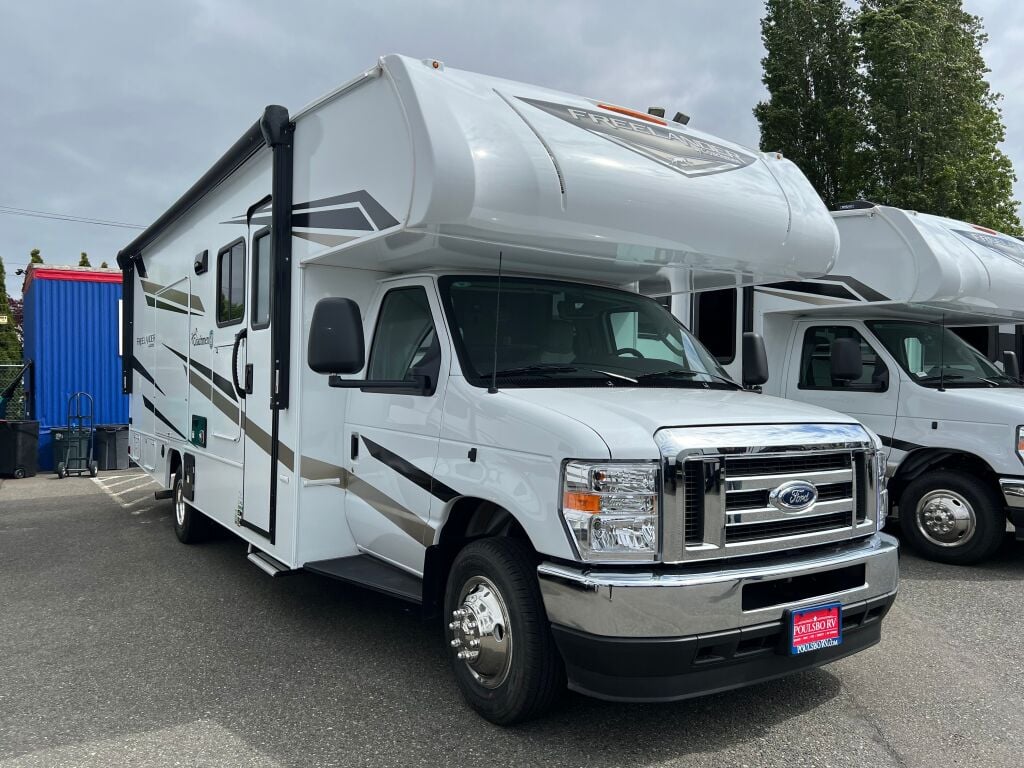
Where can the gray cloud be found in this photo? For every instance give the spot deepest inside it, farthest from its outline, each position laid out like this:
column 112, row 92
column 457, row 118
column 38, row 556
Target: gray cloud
column 112, row 110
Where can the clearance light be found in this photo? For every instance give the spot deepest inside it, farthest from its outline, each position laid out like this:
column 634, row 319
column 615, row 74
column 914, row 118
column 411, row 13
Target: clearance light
column 611, row 509
column 633, row 113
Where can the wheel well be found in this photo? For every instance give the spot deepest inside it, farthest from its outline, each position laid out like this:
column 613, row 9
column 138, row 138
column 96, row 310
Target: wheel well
column 916, row 463
column 469, row 519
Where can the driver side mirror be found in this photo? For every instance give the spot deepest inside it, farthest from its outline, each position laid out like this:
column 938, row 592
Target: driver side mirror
column 846, row 364
column 755, row 360
column 336, row 337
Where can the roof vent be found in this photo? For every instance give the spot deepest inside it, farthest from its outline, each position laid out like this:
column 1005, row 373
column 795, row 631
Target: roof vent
column 681, row 118
column 855, row 205
column 656, row 111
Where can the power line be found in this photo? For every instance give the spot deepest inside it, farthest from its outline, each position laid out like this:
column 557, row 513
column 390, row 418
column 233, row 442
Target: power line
column 65, row 217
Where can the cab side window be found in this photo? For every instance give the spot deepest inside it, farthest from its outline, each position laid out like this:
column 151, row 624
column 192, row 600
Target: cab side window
column 816, row 361
column 405, row 343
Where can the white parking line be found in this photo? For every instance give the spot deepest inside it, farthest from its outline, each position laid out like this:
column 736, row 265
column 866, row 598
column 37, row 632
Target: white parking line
column 132, row 479
column 118, row 495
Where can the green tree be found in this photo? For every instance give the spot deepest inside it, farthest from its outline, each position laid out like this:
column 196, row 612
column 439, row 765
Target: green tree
column 84, row 260
column 935, row 123
column 35, row 258
column 10, row 347
column 814, row 113
column 103, row 265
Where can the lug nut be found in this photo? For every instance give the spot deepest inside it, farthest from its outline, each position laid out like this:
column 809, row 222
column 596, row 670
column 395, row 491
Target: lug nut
column 453, row 625
column 455, row 643
column 474, row 643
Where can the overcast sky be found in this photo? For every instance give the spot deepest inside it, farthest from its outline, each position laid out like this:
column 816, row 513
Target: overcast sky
column 112, row 109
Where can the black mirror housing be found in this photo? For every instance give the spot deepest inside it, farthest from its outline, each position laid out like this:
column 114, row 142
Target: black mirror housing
column 336, row 342
column 755, row 360
column 1010, row 366
column 845, row 360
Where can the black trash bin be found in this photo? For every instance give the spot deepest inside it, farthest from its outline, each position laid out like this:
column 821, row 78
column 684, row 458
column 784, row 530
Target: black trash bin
column 112, row 446
column 19, row 448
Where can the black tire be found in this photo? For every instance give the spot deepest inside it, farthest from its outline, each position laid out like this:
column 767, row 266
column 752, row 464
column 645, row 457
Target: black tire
column 982, row 499
column 94, row 469
column 535, row 676
column 190, row 525
column 19, row 473
column 61, row 471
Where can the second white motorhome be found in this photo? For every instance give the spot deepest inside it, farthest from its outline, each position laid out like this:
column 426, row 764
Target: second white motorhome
column 388, row 340
column 874, row 338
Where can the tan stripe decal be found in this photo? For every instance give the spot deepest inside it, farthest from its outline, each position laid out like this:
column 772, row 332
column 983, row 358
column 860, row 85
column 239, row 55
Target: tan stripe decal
column 173, row 294
column 322, row 239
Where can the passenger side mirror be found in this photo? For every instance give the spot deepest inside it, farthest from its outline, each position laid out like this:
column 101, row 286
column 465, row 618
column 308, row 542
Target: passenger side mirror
column 336, row 337
column 755, row 360
column 846, row 362
column 1010, row 366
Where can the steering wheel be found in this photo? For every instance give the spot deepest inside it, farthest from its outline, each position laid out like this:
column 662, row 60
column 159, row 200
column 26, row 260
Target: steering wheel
column 628, row 351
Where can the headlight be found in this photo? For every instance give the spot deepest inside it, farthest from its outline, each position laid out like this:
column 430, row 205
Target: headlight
column 611, row 509
column 1020, row 443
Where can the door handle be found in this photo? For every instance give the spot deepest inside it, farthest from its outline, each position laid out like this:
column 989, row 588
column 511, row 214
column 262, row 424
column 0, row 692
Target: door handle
column 234, row 363
column 248, row 378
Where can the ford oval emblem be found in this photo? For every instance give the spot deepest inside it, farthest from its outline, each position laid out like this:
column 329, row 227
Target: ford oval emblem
column 794, row 496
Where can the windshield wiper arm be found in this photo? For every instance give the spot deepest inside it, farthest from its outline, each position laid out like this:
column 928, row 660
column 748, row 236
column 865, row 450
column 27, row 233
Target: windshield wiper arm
column 688, row 373
column 554, row 368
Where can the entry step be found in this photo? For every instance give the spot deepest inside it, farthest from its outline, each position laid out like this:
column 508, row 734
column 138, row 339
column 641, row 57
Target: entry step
column 266, row 563
column 367, row 571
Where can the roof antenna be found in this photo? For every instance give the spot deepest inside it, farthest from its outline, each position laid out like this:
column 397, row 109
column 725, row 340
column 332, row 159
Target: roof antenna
column 493, row 389
column 942, row 355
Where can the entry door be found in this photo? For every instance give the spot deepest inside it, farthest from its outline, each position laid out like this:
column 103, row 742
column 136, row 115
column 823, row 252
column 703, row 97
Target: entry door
column 871, row 399
column 254, row 377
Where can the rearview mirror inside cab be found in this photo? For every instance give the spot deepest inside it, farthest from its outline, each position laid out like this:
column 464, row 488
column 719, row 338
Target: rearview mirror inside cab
column 336, row 337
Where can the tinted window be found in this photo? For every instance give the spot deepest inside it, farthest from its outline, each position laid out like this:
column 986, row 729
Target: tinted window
column 231, row 284
column 261, row 280
column 816, row 360
column 405, row 343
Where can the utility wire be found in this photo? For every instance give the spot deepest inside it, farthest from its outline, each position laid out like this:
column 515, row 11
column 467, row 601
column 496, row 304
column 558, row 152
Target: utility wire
column 65, row 217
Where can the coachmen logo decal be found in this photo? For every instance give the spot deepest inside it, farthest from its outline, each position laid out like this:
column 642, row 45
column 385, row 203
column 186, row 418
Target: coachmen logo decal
column 686, row 154
column 794, row 496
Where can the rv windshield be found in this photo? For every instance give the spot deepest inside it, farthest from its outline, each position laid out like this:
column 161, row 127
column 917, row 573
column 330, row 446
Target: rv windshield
column 934, row 355
column 558, row 334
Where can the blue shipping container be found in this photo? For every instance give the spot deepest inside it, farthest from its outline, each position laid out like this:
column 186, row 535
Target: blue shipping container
column 71, row 336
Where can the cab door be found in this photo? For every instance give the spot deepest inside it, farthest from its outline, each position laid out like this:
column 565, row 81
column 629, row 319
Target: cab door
column 393, row 436
column 873, row 398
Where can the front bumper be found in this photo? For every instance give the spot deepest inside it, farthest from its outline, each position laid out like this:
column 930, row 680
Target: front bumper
column 676, row 633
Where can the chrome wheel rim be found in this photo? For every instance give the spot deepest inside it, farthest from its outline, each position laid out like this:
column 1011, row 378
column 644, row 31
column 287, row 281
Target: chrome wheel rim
column 481, row 636
column 945, row 518
column 179, row 505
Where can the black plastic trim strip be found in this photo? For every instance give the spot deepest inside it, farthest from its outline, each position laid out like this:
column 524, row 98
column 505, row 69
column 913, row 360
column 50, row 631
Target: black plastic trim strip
column 899, row 445
column 127, row 325
column 410, row 471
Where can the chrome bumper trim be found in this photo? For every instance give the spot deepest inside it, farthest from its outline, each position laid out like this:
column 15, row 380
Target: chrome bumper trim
column 1013, row 492
column 704, row 598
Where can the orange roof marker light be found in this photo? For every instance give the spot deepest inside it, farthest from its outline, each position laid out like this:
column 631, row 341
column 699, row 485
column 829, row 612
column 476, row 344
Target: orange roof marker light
column 633, row 113
column 985, row 229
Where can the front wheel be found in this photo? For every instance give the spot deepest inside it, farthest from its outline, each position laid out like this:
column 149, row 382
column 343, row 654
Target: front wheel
column 952, row 517
column 189, row 523
column 503, row 654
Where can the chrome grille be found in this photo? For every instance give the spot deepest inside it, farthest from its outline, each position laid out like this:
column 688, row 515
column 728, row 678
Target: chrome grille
column 718, row 483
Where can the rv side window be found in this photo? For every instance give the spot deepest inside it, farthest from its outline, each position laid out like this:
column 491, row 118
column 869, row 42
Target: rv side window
column 405, row 343
column 261, row 280
column 714, row 322
column 816, row 361
column 231, row 283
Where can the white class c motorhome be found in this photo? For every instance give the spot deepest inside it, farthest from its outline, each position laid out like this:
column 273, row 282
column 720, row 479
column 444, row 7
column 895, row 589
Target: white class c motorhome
column 394, row 339
column 875, row 338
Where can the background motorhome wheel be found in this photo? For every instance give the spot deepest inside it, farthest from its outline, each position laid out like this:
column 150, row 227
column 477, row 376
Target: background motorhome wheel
column 189, row 523
column 503, row 654
column 952, row 517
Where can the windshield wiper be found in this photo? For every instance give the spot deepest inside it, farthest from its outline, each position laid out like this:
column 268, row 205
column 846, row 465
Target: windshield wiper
column 556, row 368
column 689, row 374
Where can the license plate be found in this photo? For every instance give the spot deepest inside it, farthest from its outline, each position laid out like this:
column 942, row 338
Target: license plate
column 814, row 628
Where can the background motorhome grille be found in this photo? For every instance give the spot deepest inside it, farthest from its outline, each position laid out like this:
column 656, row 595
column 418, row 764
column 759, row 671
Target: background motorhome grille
column 797, row 525
column 787, row 465
column 693, row 502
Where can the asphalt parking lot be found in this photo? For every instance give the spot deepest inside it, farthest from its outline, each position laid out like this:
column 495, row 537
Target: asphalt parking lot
column 119, row 646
